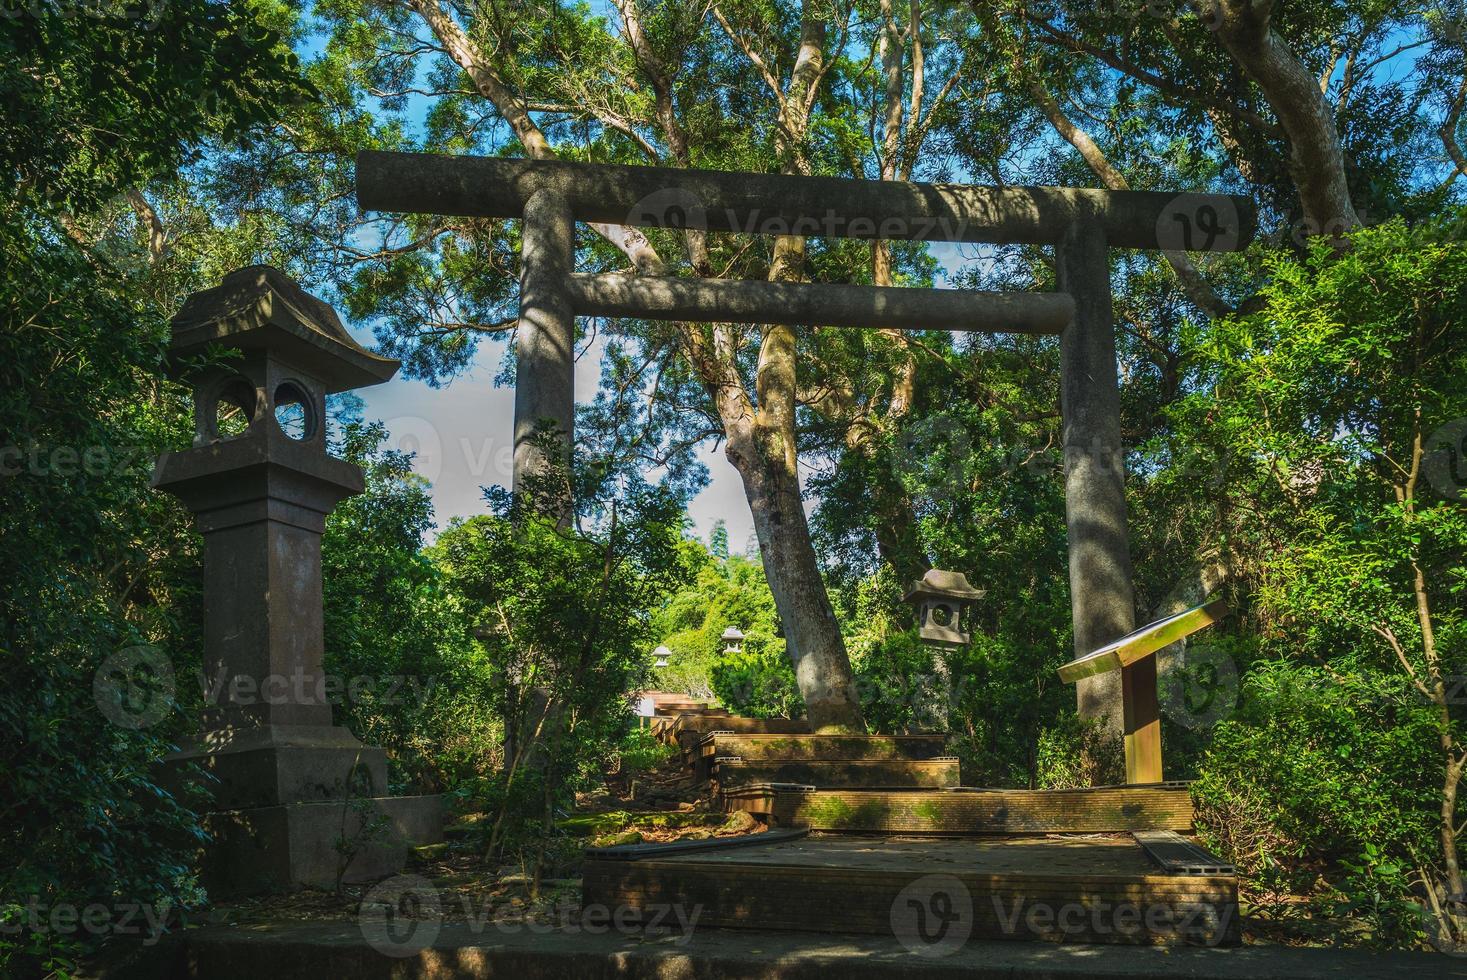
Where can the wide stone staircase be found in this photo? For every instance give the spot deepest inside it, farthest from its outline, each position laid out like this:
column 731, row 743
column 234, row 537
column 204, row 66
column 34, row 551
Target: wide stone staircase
column 874, row 834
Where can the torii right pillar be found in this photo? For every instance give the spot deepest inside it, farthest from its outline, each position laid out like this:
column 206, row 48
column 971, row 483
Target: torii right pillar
column 1102, row 599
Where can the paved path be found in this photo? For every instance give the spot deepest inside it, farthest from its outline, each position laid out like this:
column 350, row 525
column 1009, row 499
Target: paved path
column 338, row 951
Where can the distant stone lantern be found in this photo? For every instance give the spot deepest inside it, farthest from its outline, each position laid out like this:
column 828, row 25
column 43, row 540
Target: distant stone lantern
column 661, row 656
column 943, row 600
column 260, row 483
column 733, row 640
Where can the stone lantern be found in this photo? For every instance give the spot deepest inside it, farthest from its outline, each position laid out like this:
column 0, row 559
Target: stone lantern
column 260, row 482
column 661, row 656
column 942, row 600
column 733, row 640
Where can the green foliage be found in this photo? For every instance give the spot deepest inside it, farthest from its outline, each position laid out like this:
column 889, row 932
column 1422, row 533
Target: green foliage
column 562, row 619
column 1316, row 417
column 92, row 562
column 392, row 623
column 1376, row 892
column 718, row 540
column 641, row 751
column 731, row 592
column 1075, row 752
column 125, row 91
column 1314, row 409
column 1315, row 767
column 902, row 684
column 758, row 682
column 1307, row 437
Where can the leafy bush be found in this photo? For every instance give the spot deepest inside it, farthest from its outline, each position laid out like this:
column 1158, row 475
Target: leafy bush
column 759, row 682
column 1076, row 752
column 904, row 686
column 1314, row 770
column 561, row 618
column 390, row 618
column 641, row 751
column 92, row 562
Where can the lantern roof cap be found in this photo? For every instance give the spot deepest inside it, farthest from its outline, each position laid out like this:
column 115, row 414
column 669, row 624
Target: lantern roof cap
column 733, row 633
column 942, row 584
column 662, row 651
column 261, row 308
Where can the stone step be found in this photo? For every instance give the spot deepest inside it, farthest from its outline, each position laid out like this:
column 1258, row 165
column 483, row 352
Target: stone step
column 668, row 709
column 665, row 726
column 593, row 946
column 822, row 748
column 690, row 728
column 839, row 774
column 931, row 891
column 1105, row 809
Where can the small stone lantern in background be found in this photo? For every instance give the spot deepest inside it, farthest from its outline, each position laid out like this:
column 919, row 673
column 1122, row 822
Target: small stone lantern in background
column 260, row 483
column 943, row 600
column 733, row 640
column 661, row 656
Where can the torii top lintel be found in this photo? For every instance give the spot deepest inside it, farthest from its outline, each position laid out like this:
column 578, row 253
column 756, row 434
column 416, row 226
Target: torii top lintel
column 835, row 207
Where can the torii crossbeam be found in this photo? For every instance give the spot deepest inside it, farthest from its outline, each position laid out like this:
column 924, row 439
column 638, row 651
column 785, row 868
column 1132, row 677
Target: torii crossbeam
column 1081, row 224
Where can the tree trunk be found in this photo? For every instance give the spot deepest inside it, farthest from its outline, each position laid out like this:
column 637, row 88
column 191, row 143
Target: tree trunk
column 1316, row 158
column 812, row 634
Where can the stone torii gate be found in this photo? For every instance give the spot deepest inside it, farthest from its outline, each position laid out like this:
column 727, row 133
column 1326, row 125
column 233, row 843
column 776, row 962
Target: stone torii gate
column 1081, row 224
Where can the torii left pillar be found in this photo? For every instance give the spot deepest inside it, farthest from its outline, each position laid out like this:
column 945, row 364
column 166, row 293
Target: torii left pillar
column 544, row 388
column 1102, row 598
column 544, row 393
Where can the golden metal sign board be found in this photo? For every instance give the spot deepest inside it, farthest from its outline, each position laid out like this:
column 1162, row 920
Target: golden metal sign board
column 1144, row 642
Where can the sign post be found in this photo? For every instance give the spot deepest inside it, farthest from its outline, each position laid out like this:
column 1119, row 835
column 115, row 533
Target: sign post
column 1134, row 655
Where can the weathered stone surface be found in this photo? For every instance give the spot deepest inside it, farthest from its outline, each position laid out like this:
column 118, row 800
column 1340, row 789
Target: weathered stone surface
column 338, row 950
column 819, row 304
column 279, row 764
column 831, row 207
column 752, row 747
column 1009, row 889
column 544, row 392
column 962, row 811
column 261, row 498
column 258, row 308
column 275, row 848
column 1101, row 596
column 854, row 774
